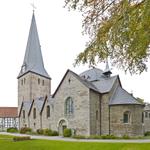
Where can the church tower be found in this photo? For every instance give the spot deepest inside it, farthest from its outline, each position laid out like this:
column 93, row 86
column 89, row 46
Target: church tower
column 33, row 80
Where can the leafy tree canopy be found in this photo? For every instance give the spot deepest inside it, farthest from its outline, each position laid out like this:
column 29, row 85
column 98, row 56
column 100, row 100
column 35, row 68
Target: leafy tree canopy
column 118, row 30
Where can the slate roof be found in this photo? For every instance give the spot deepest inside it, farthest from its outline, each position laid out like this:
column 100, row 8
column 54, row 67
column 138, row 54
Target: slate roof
column 33, row 60
column 147, row 107
column 121, row 96
column 27, row 105
column 93, row 74
column 8, row 112
column 105, row 84
column 39, row 103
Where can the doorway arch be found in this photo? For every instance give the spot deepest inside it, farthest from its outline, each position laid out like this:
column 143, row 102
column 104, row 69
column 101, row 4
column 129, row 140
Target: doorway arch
column 61, row 126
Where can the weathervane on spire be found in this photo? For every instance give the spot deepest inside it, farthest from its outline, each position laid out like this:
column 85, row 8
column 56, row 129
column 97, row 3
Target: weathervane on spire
column 33, row 6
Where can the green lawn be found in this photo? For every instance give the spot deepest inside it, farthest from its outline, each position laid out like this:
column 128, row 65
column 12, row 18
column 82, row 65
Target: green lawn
column 6, row 143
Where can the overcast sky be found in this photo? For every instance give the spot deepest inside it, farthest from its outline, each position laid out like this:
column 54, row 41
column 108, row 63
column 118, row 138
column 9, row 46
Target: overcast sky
column 61, row 40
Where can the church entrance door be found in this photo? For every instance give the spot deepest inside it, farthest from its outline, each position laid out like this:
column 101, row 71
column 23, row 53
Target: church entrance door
column 62, row 126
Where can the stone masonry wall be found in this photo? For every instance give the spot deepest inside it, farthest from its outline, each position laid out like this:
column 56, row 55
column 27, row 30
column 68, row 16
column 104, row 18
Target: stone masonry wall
column 29, row 88
column 133, row 128
column 79, row 121
column 94, row 113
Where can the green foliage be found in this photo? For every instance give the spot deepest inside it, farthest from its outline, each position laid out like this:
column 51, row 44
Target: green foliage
column 126, row 137
column 47, row 132
column 67, row 132
column 118, row 30
column 79, row 137
column 54, row 133
column 147, row 133
column 24, row 130
column 40, row 131
column 21, row 138
column 12, row 130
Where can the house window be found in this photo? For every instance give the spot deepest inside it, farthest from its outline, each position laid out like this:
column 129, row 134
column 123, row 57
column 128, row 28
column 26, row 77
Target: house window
column 34, row 113
column 23, row 114
column 48, row 111
column 146, row 114
column 69, row 106
column 126, row 117
column 38, row 80
column 149, row 115
column 43, row 82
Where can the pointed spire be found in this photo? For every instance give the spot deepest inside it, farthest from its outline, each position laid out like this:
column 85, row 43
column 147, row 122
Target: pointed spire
column 107, row 70
column 33, row 60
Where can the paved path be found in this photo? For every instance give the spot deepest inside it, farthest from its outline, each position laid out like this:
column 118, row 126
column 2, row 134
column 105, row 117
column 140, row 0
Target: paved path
column 59, row 138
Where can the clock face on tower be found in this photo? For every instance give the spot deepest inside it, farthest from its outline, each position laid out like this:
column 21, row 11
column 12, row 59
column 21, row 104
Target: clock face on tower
column 23, row 68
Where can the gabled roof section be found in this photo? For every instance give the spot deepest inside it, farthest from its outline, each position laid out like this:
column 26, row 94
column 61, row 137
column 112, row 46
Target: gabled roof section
column 122, row 97
column 82, row 80
column 105, row 84
column 8, row 112
column 26, row 105
column 39, row 102
column 33, row 60
column 93, row 74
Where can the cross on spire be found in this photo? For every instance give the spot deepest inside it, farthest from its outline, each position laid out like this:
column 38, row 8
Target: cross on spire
column 33, row 6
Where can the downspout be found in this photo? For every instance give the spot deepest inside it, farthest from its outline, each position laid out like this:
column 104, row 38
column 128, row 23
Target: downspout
column 100, row 116
column 109, row 119
column 41, row 120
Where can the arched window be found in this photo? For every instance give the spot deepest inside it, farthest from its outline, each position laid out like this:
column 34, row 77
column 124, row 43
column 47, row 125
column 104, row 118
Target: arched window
column 69, row 106
column 23, row 114
column 34, row 113
column 126, row 117
column 48, row 111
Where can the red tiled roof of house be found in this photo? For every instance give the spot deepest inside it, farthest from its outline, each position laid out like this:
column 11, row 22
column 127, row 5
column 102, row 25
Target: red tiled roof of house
column 8, row 112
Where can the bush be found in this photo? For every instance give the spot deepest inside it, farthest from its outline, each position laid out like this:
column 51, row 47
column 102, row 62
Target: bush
column 108, row 137
column 79, row 137
column 67, row 132
column 12, row 130
column 54, row 133
column 40, row 131
column 147, row 133
column 25, row 130
column 21, row 138
column 47, row 132
column 125, row 137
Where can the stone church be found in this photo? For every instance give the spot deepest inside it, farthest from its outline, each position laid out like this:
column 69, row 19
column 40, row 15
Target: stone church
column 91, row 103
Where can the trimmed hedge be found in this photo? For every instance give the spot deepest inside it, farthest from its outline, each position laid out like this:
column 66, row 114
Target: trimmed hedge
column 147, row 133
column 47, row 132
column 21, row 138
column 12, row 130
column 67, row 132
column 24, row 130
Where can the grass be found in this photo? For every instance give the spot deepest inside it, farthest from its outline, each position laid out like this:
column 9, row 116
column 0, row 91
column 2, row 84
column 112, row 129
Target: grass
column 6, row 143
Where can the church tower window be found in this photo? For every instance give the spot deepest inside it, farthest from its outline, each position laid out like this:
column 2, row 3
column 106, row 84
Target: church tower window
column 38, row 80
column 43, row 82
column 48, row 111
column 69, row 106
column 34, row 113
column 23, row 114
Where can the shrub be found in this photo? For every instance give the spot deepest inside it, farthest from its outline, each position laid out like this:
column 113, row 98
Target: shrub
column 21, row 138
column 108, row 137
column 125, row 137
column 67, row 132
column 12, row 130
column 147, row 133
column 47, row 132
column 79, row 137
column 25, row 130
column 40, row 131
column 54, row 133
